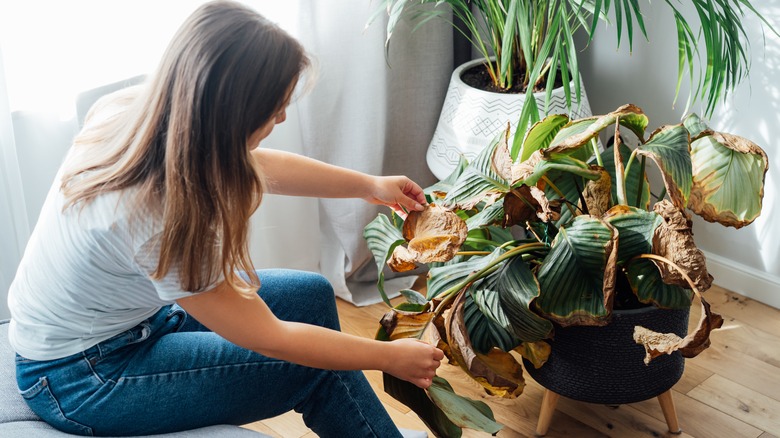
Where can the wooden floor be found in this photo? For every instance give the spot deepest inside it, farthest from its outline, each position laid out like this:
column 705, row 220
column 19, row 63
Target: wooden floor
column 732, row 390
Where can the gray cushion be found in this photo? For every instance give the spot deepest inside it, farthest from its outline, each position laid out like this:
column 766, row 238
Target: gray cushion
column 12, row 405
column 17, row 420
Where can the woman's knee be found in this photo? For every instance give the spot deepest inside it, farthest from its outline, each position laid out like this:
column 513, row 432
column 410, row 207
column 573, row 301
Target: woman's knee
column 300, row 296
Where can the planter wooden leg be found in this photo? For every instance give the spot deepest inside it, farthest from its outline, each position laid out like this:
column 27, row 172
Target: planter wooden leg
column 545, row 414
column 667, row 406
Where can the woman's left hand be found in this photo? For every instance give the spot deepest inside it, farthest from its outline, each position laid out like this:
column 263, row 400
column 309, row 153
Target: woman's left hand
column 397, row 192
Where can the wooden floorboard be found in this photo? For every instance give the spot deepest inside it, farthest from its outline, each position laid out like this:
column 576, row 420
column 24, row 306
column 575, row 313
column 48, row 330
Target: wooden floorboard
column 730, row 390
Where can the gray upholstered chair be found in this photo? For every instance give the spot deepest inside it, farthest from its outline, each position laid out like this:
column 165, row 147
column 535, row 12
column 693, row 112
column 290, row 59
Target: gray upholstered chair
column 17, row 420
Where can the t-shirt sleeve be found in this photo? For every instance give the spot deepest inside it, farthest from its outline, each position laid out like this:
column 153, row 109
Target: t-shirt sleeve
column 169, row 287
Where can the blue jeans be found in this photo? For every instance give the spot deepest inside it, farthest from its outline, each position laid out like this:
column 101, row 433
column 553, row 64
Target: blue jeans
column 170, row 373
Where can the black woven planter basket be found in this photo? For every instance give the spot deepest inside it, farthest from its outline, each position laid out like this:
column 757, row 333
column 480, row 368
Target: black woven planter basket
column 604, row 365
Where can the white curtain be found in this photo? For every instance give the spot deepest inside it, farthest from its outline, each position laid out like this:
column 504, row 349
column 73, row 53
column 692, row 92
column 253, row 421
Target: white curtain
column 13, row 217
column 369, row 113
column 365, row 112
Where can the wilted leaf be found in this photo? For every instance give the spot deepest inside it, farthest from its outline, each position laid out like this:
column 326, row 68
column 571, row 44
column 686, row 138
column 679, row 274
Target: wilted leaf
column 535, row 352
column 502, row 162
column 529, row 204
column 400, row 324
column 434, row 235
column 598, row 194
column 694, row 343
column 498, row 372
column 728, row 179
column 521, row 171
column 402, row 260
column 673, row 240
column 630, row 116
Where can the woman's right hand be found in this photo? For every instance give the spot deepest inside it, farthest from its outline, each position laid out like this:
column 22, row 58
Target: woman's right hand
column 414, row 361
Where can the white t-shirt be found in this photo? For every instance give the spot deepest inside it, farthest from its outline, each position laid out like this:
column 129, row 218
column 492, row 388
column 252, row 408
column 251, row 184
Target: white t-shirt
column 85, row 276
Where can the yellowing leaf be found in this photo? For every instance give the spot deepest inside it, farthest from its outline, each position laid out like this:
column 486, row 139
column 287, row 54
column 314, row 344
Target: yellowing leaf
column 535, row 352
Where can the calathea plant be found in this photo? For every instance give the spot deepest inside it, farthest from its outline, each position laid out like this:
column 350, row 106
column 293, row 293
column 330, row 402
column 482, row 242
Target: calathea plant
column 560, row 234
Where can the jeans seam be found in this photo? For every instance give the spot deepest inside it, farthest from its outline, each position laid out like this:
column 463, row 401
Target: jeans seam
column 92, row 369
column 193, row 370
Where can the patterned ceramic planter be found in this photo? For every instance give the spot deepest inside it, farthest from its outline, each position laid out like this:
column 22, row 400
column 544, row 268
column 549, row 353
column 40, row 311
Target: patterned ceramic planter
column 471, row 118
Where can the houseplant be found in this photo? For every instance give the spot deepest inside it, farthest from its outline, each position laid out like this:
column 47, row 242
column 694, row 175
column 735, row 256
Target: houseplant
column 561, row 237
column 529, row 45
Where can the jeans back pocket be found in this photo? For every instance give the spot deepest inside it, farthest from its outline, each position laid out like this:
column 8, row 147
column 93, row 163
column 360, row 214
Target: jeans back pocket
column 42, row 401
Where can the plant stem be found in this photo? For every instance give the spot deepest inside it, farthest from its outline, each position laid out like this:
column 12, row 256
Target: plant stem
column 559, row 193
column 596, row 151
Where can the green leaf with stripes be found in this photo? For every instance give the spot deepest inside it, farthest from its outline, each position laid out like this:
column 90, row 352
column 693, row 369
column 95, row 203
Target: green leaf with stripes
column 669, row 148
column 382, row 237
column 577, row 278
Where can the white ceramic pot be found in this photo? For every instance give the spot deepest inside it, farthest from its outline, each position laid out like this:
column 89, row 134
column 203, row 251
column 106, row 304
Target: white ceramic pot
column 471, row 118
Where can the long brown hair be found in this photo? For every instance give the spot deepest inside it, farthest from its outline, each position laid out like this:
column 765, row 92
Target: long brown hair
column 183, row 140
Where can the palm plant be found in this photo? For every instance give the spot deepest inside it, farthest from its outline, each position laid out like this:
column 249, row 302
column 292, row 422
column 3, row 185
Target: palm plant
column 530, row 43
column 518, row 247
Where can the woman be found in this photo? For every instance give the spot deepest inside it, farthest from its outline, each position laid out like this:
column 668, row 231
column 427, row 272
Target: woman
column 128, row 316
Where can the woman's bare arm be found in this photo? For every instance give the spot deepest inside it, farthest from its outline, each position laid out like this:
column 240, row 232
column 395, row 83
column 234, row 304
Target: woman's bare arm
column 292, row 174
column 249, row 323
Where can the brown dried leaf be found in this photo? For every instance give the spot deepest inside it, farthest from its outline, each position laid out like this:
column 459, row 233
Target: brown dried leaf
column 535, row 352
column 502, row 160
column 399, row 325
column 498, row 372
column 694, row 343
column 673, row 240
column 598, row 193
column 521, row 171
column 529, row 204
column 434, row 235
column 402, row 260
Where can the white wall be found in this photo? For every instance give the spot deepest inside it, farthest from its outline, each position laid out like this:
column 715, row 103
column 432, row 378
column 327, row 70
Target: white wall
column 746, row 260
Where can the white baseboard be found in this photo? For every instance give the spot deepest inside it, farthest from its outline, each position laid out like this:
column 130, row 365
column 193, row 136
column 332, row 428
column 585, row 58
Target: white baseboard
column 744, row 280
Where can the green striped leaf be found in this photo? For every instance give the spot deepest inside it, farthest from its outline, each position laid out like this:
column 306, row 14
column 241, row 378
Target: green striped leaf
column 645, row 281
column 669, row 148
column 635, row 230
column 577, row 277
column 480, row 177
column 505, row 296
column 382, row 237
column 728, row 179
